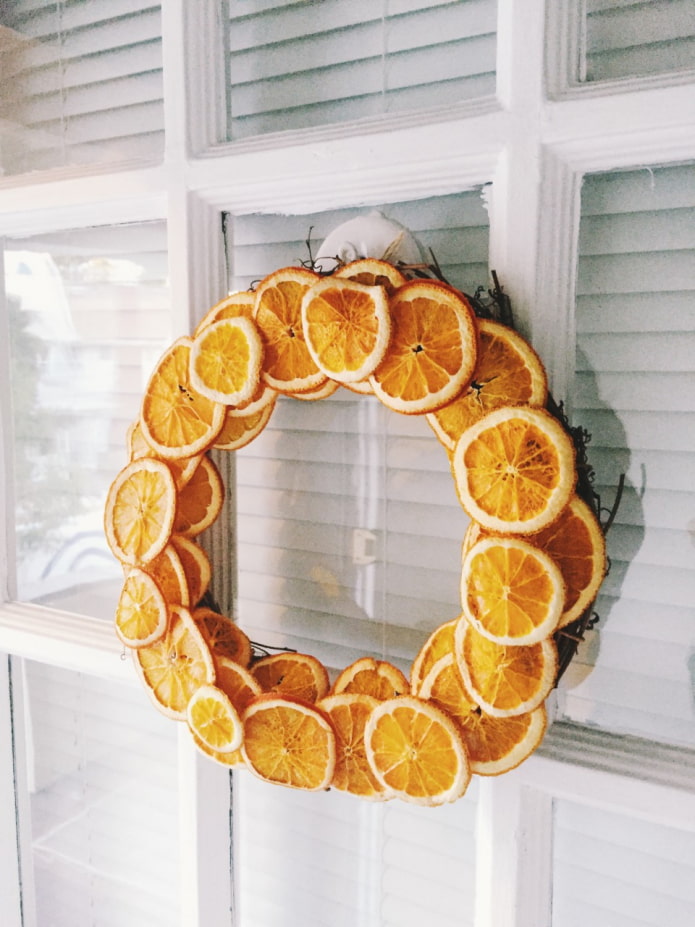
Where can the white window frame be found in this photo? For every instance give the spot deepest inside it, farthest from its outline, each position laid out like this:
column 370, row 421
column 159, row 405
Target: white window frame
column 534, row 142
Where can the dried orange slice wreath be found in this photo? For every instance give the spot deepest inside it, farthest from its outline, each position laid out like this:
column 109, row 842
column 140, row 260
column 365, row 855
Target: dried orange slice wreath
column 533, row 556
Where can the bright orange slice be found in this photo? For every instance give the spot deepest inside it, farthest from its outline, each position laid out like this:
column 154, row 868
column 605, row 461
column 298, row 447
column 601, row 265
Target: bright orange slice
column 240, row 430
column 368, row 676
column 234, row 306
column 177, row 420
column 508, row 373
column 294, row 674
column 214, row 720
column 511, row 591
column 349, row 714
column 200, row 501
column 416, row 751
column 236, row 682
column 504, row 680
column 287, row 364
column 346, row 327
column 321, row 392
column 167, row 571
column 182, row 468
column 577, row 544
column 196, row 567
column 226, row 361
column 514, row 470
column 141, row 613
column 432, row 352
column 140, row 510
column 223, row 636
column 289, row 742
column 232, row 760
column 263, row 397
column 439, row 643
column 373, row 272
column 175, row 666
column 444, row 686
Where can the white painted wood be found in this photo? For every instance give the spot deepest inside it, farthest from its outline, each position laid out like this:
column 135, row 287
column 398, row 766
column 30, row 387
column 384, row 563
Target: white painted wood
column 10, row 870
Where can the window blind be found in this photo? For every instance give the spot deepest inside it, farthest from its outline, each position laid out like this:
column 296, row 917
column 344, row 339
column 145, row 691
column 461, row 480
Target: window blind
column 103, row 801
column 634, row 38
column 298, row 64
column 348, row 526
column 88, row 315
column 81, row 83
column 635, row 393
column 610, row 870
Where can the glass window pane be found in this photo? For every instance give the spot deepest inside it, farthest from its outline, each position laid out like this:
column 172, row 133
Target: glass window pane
column 295, row 65
column 635, row 393
column 305, row 859
column 81, row 83
column 611, row 870
column 348, row 525
column 103, row 804
column 631, row 38
column 88, row 315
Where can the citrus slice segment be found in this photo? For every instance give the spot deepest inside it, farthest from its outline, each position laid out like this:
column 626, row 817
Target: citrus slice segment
column 416, row 751
column 349, row 714
column 497, row 745
column 196, row 567
column 432, row 352
column 140, row 510
column 234, row 306
column 439, row 643
column 373, row 272
column 200, row 501
column 444, row 686
column 177, row 420
column 232, row 760
column 508, row 372
column 287, row 365
column 514, row 470
column 141, row 612
column 236, row 682
column 294, row 674
column 346, row 327
column 168, row 573
column 577, row 544
column 289, row 742
column 504, row 680
column 214, row 720
column 321, row 392
column 240, row 430
column 368, row 676
column 182, row 468
column 263, row 397
column 223, row 636
column 226, row 361
column 175, row 666
column 511, row 591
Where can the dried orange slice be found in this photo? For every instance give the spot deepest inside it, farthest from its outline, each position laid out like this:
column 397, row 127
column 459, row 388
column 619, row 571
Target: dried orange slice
column 167, row 571
column 232, row 760
column 439, row 643
column 576, row 543
column 349, row 714
column 175, row 666
column 416, row 751
column 294, row 674
column 236, row 682
column 287, row 364
column 177, row 420
column 263, row 397
column 362, row 388
column 140, row 510
column 368, row 676
column 514, row 470
column 346, row 327
column 511, row 591
column 289, row 742
column 141, row 613
column 182, row 468
column 240, row 430
column 200, row 501
column 234, row 306
column 444, row 686
column 226, row 361
column 508, row 373
column 196, row 567
column 504, row 680
column 373, row 272
column 432, row 352
column 321, row 392
column 214, row 720
column 223, row 636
